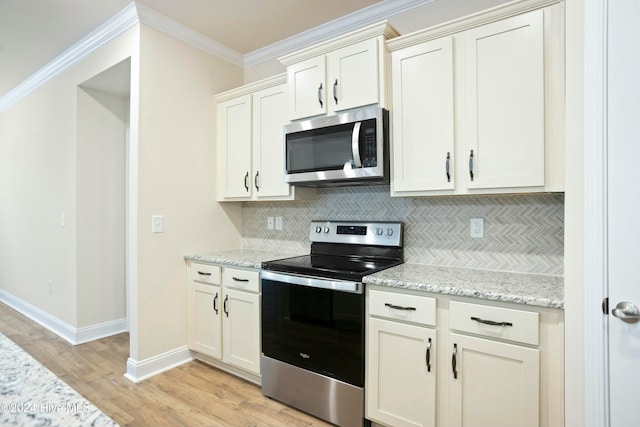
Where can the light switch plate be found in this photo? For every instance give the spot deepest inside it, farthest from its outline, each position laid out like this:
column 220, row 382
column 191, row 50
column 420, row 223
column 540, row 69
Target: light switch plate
column 157, row 224
column 278, row 223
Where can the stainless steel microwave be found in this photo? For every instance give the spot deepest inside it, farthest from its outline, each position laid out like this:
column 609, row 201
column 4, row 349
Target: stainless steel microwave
column 350, row 148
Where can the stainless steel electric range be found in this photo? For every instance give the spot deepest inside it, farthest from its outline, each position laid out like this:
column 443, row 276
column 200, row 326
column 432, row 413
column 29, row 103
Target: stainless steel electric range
column 313, row 317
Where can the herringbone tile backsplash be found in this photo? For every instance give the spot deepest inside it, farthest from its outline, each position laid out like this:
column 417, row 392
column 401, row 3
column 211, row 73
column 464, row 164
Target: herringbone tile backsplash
column 522, row 233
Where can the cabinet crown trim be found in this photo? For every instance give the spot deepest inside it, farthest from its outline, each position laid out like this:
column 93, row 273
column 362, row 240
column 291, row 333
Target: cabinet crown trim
column 458, row 25
column 251, row 87
column 382, row 28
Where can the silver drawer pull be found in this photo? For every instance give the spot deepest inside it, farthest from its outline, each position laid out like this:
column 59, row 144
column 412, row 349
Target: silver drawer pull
column 398, row 307
column 202, row 273
column 491, row 322
column 237, row 279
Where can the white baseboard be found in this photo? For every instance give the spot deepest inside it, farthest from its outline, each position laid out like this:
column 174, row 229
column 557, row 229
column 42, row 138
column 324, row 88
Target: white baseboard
column 141, row 370
column 65, row 331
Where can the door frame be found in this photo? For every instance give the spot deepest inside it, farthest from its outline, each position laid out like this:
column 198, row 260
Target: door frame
column 596, row 372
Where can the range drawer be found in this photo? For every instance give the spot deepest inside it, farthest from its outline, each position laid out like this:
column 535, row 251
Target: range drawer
column 205, row 273
column 246, row 280
column 406, row 307
column 495, row 322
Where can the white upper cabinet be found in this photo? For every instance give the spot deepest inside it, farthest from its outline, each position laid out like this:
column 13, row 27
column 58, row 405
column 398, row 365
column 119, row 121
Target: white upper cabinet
column 480, row 111
column 423, row 126
column 250, row 142
column 353, row 76
column 343, row 73
column 503, row 81
column 234, row 147
column 307, row 88
column 269, row 110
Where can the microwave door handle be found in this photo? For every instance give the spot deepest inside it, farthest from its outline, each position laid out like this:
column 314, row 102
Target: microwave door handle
column 355, row 145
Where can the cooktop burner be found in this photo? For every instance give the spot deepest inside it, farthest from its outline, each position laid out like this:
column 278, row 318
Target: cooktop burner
column 346, row 251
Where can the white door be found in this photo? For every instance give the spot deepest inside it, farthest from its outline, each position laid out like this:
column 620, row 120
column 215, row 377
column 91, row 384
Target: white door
column 623, row 207
column 353, row 76
column 423, row 125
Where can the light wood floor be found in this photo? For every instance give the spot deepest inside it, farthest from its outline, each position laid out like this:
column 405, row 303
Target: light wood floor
column 194, row 394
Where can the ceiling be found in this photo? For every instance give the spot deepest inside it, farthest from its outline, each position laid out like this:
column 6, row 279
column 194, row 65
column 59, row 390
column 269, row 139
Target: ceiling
column 34, row 32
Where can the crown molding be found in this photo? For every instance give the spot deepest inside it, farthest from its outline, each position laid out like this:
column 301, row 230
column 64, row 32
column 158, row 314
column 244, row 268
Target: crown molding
column 136, row 13
column 160, row 22
column 351, row 22
column 116, row 25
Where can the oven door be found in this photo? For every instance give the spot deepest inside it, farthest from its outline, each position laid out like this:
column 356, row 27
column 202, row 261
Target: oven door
column 314, row 324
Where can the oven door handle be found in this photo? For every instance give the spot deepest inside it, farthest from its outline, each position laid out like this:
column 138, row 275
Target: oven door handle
column 314, row 282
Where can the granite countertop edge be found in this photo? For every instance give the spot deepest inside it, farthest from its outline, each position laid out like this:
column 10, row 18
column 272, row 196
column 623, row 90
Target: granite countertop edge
column 520, row 288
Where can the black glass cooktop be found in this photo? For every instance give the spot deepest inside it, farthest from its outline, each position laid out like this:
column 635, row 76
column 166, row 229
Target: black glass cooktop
column 332, row 267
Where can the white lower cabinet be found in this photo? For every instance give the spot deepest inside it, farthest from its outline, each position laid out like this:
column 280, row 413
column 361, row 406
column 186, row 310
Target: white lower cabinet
column 401, row 369
column 241, row 330
column 493, row 384
column 223, row 313
column 464, row 364
column 401, row 359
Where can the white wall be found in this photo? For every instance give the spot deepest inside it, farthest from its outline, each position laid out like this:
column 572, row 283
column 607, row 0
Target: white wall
column 38, row 163
column 176, row 179
column 100, row 192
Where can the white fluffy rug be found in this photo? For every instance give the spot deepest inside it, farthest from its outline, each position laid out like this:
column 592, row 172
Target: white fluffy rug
column 31, row 395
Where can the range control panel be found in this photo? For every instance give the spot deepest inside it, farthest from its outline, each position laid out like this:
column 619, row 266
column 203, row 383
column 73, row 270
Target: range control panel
column 356, row 232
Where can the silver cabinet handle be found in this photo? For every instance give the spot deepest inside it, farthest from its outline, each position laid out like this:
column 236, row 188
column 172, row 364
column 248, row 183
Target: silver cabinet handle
column 355, row 145
column 627, row 312
column 471, row 165
column 320, row 95
column 215, row 303
column 399, row 307
column 335, row 91
column 446, row 167
column 428, row 356
column 238, row 279
column 454, row 361
column 255, row 181
column 245, row 181
column 491, row 322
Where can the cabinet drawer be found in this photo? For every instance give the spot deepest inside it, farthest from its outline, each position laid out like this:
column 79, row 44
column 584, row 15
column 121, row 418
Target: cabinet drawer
column 496, row 322
column 246, row 280
column 205, row 273
column 410, row 308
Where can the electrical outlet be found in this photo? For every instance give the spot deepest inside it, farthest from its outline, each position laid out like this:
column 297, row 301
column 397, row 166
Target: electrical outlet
column 278, row 223
column 477, row 227
column 269, row 223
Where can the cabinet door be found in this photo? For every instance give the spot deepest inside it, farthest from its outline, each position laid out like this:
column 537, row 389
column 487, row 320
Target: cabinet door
column 204, row 329
column 241, row 329
column 423, row 126
column 504, row 102
column 306, row 84
column 269, row 115
column 353, row 76
column 497, row 384
column 234, row 148
column 401, row 374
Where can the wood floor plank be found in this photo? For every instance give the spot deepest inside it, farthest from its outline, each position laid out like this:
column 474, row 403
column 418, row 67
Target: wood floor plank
column 194, row 394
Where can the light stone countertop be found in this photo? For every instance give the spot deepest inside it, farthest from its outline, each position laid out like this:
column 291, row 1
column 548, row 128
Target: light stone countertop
column 246, row 258
column 519, row 288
